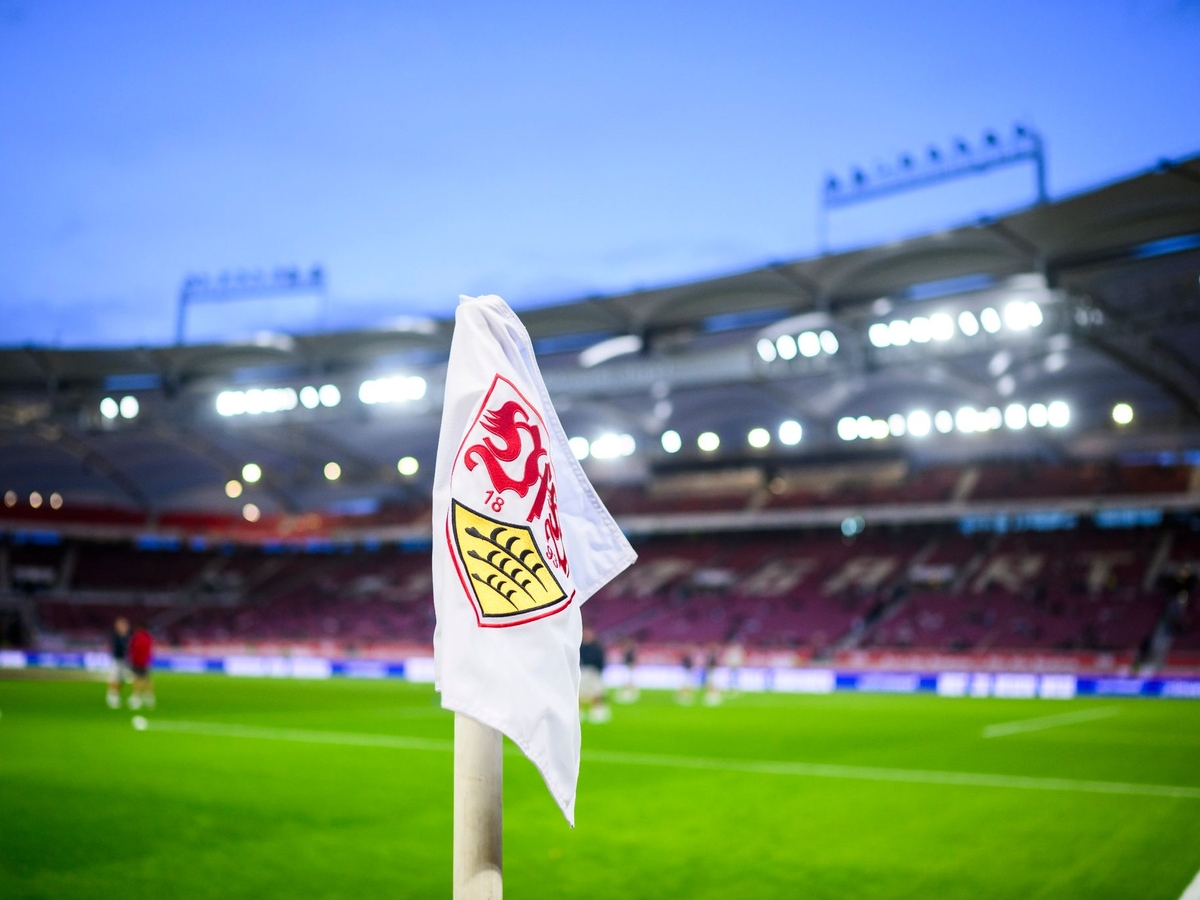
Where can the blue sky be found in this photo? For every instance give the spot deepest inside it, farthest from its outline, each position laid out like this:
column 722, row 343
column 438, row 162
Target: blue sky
column 541, row 151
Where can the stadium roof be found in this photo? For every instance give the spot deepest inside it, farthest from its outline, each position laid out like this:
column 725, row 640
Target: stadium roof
column 1113, row 274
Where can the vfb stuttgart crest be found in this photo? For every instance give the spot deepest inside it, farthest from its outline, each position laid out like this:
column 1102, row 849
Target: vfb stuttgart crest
column 502, row 527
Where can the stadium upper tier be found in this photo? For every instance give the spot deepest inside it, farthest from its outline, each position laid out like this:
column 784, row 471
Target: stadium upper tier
column 1064, row 332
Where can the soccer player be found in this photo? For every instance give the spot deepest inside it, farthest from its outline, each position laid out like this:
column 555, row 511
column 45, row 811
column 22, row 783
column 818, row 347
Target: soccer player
column 591, row 679
column 141, row 647
column 629, row 693
column 120, row 666
column 735, row 658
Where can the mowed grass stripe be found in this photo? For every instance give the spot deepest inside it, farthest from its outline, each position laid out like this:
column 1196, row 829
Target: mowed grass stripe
column 757, row 767
column 1040, row 723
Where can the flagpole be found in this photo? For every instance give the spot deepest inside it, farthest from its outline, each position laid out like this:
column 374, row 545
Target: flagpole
column 478, row 810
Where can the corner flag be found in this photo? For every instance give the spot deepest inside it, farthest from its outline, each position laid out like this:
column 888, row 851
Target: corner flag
column 520, row 542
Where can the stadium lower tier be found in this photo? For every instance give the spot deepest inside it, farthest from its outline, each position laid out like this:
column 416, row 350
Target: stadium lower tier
column 812, row 593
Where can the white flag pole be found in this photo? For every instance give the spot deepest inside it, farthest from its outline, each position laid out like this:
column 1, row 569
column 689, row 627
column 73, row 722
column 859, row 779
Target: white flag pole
column 478, row 810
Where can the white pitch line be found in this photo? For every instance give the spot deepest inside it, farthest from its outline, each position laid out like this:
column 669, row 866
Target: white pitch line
column 749, row 766
column 1192, row 891
column 1022, row 726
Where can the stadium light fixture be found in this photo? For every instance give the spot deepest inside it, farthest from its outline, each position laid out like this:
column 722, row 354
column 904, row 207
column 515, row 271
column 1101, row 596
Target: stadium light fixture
column 251, row 473
column 879, row 336
column 809, row 344
column 408, row 466
column 1058, row 414
column 580, row 447
column 785, row 346
column 310, row 397
column 251, row 513
column 332, row 471
column 847, row 428
column 1033, row 313
column 330, row 395
column 993, row 419
column 897, row 425
column 10, row 499
column 1122, row 413
column 829, row 342
column 899, row 332
column 233, row 489
column 1015, row 416
column 941, row 326
column 880, row 429
column 56, row 500
column 990, row 320
column 758, row 438
column 921, row 330
column 35, row 500
column 109, row 408
column 393, row 389
column 853, row 525
column 611, row 446
column 919, row 423
column 671, row 441
column 965, row 419
column 1038, row 416
column 708, row 441
column 943, row 421
column 256, row 401
column 129, row 407
column 790, row 432
column 967, row 323
column 766, row 350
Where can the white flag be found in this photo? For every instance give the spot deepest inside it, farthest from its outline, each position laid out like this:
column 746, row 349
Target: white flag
column 520, row 542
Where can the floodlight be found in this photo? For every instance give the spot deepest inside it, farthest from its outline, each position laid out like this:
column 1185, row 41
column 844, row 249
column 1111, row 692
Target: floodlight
column 829, row 342
column 671, row 441
column 333, row 471
column 109, row 408
column 331, row 396
column 766, row 350
column 251, row 513
column 56, row 500
column 847, row 428
column 408, row 465
column 1058, row 414
column 878, row 335
column 708, row 441
column 233, row 489
column 990, row 320
column 1122, row 413
column 758, row 438
column 809, row 344
column 310, row 398
column 607, row 446
column 965, row 420
column 967, row 323
column 1038, row 415
column 899, row 332
column 1015, row 416
column 580, row 447
column 941, row 326
column 943, row 421
column 879, row 429
column 35, row 500
column 129, row 407
column 251, row 472
column 790, row 432
column 897, row 425
column 918, row 423
column 921, row 330
column 785, row 345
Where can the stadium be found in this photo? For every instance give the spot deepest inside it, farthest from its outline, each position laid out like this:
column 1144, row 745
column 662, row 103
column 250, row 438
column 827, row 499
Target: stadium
column 916, row 609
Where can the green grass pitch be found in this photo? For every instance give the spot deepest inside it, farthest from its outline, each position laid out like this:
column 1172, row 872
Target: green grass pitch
column 90, row 807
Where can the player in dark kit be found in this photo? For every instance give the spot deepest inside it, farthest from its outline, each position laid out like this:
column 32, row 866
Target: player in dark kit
column 141, row 646
column 119, row 648
column 591, row 679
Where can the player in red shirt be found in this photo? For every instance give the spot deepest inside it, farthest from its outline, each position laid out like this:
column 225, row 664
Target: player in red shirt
column 141, row 648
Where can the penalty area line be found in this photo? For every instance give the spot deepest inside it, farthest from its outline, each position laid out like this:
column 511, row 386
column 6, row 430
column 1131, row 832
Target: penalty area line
column 1022, row 726
column 746, row 766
